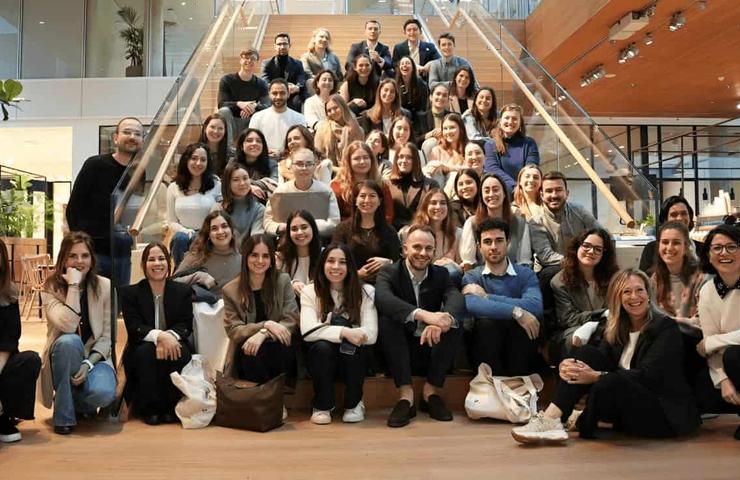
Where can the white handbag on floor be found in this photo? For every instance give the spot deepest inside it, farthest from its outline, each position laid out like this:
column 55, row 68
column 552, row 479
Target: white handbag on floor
column 210, row 336
column 513, row 399
column 197, row 406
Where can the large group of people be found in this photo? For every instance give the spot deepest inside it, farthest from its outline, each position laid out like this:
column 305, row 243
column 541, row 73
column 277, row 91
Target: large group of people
column 389, row 221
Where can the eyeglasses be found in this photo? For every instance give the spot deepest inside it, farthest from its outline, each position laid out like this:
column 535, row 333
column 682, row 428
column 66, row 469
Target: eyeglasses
column 730, row 248
column 304, row 166
column 592, row 248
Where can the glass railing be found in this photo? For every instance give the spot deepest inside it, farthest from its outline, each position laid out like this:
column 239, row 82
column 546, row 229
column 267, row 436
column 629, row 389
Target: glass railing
column 600, row 176
column 139, row 203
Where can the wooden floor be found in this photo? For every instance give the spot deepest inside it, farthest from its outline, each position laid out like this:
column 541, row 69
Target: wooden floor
column 425, row 449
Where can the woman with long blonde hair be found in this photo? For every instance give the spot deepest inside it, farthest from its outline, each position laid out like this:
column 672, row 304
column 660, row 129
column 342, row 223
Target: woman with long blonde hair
column 320, row 57
column 527, row 193
column 634, row 376
column 339, row 129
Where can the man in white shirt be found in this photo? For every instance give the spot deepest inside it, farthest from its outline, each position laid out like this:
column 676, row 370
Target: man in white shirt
column 275, row 121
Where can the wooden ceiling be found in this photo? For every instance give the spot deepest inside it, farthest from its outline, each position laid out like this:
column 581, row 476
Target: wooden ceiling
column 693, row 72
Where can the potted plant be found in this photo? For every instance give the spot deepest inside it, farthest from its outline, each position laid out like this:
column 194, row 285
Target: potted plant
column 18, row 214
column 133, row 36
column 9, row 91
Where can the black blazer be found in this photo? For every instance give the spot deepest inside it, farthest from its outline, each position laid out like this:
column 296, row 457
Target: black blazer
column 293, row 69
column 422, row 124
column 383, row 50
column 657, row 364
column 395, row 299
column 427, row 52
column 137, row 302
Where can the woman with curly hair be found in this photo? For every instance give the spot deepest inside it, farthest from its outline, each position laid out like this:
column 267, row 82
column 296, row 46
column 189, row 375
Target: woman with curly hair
column 580, row 287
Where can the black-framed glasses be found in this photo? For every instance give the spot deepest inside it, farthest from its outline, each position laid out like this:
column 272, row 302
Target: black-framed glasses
column 730, row 248
column 592, row 248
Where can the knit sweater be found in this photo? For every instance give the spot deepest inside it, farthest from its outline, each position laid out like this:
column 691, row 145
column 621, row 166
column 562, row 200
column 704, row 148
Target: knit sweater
column 552, row 231
column 504, row 293
column 720, row 324
column 520, row 151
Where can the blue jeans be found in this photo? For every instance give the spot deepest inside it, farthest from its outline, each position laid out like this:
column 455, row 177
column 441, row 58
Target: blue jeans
column 180, row 245
column 123, row 269
column 99, row 389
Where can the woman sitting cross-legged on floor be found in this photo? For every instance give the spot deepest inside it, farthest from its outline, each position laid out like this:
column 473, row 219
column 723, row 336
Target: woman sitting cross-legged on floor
column 159, row 320
column 634, row 378
column 338, row 320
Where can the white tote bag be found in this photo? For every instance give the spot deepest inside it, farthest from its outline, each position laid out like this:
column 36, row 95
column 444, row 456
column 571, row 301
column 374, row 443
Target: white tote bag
column 210, row 335
column 198, row 405
column 513, row 399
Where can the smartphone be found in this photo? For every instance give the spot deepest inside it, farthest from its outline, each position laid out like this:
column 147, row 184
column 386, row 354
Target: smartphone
column 347, row 348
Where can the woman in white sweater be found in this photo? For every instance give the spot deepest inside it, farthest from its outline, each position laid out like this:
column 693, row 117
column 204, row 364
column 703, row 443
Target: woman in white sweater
column 190, row 197
column 718, row 387
column 314, row 109
column 338, row 320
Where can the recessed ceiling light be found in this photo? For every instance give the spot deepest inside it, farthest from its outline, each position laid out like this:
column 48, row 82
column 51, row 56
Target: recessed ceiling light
column 621, row 146
column 721, row 78
column 610, row 75
column 183, row 3
column 737, row 106
column 190, row 18
column 41, row 22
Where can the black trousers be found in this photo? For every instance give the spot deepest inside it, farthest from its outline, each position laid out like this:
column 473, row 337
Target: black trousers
column 709, row 398
column 615, row 398
column 272, row 359
column 153, row 390
column 18, row 384
column 405, row 356
column 505, row 346
column 326, row 363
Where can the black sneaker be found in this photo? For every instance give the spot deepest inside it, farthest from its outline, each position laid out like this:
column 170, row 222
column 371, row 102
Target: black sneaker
column 8, row 432
column 436, row 409
column 401, row 414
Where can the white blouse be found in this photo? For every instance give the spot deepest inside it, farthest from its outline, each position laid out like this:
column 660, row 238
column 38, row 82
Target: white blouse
column 333, row 333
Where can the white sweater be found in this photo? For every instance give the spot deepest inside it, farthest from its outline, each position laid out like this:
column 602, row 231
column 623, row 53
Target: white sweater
column 187, row 212
column 310, row 317
column 720, row 324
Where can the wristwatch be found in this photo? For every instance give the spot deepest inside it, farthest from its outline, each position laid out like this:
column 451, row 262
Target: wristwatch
column 265, row 332
column 517, row 313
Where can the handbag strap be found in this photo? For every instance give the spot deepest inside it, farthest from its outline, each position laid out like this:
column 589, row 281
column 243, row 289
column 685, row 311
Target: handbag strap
column 317, row 327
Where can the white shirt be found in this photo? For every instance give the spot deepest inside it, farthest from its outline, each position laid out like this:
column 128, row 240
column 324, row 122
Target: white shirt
column 186, row 212
column 629, row 351
column 274, row 125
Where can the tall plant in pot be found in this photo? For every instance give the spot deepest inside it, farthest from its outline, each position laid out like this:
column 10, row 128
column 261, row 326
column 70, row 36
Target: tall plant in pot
column 133, row 36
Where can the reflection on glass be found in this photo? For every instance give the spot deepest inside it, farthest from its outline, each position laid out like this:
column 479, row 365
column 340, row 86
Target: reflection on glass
column 9, row 21
column 45, row 22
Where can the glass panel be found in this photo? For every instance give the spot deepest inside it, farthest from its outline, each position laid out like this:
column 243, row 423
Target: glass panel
column 45, row 22
column 105, row 50
column 9, row 22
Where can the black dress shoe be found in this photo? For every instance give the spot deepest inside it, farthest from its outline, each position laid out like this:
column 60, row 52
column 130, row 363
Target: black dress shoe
column 737, row 434
column 152, row 420
column 401, row 414
column 64, row 429
column 436, row 409
column 170, row 418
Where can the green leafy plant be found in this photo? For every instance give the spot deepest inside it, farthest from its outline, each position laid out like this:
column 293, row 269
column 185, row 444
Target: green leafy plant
column 132, row 35
column 9, row 91
column 18, row 216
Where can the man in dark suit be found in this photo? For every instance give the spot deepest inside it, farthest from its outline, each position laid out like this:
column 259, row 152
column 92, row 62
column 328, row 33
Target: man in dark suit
column 379, row 54
column 284, row 66
column 420, row 52
column 420, row 325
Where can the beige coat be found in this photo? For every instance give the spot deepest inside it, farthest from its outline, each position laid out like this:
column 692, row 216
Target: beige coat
column 62, row 319
column 241, row 324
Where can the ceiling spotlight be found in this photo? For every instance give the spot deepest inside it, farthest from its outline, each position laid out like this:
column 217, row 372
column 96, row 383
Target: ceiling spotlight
column 628, row 53
column 701, row 5
column 738, row 106
column 649, row 11
column 648, row 38
column 596, row 74
column 678, row 20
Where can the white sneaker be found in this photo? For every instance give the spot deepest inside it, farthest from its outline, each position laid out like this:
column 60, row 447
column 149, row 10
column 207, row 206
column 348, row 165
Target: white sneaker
column 321, row 417
column 285, row 414
column 354, row 415
column 540, row 429
column 571, row 424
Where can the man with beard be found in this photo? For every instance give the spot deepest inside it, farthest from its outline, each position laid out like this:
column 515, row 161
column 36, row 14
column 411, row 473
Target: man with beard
column 284, row 66
column 420, row 313
column 553, row 227
column 89, row 207
column 275, row 121
column 505, row 301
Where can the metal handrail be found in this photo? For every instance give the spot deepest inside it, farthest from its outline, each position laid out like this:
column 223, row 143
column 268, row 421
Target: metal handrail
column 135, row 228
column 687, row 134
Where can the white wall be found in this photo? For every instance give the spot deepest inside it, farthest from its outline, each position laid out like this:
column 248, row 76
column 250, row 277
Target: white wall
column 84, row 105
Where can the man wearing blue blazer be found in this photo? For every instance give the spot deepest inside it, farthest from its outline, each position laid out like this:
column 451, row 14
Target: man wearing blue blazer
column 422, row 53
column 379, row 54
column 282, row 65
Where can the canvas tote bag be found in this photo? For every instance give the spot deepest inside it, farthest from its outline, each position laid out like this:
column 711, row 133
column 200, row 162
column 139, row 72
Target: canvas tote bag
column 513, row 399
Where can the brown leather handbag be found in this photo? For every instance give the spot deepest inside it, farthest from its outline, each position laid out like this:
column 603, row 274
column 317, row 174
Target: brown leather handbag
column 248, row 405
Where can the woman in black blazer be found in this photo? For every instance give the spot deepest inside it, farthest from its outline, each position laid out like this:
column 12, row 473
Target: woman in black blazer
column 634, row 377
column 158, row 313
